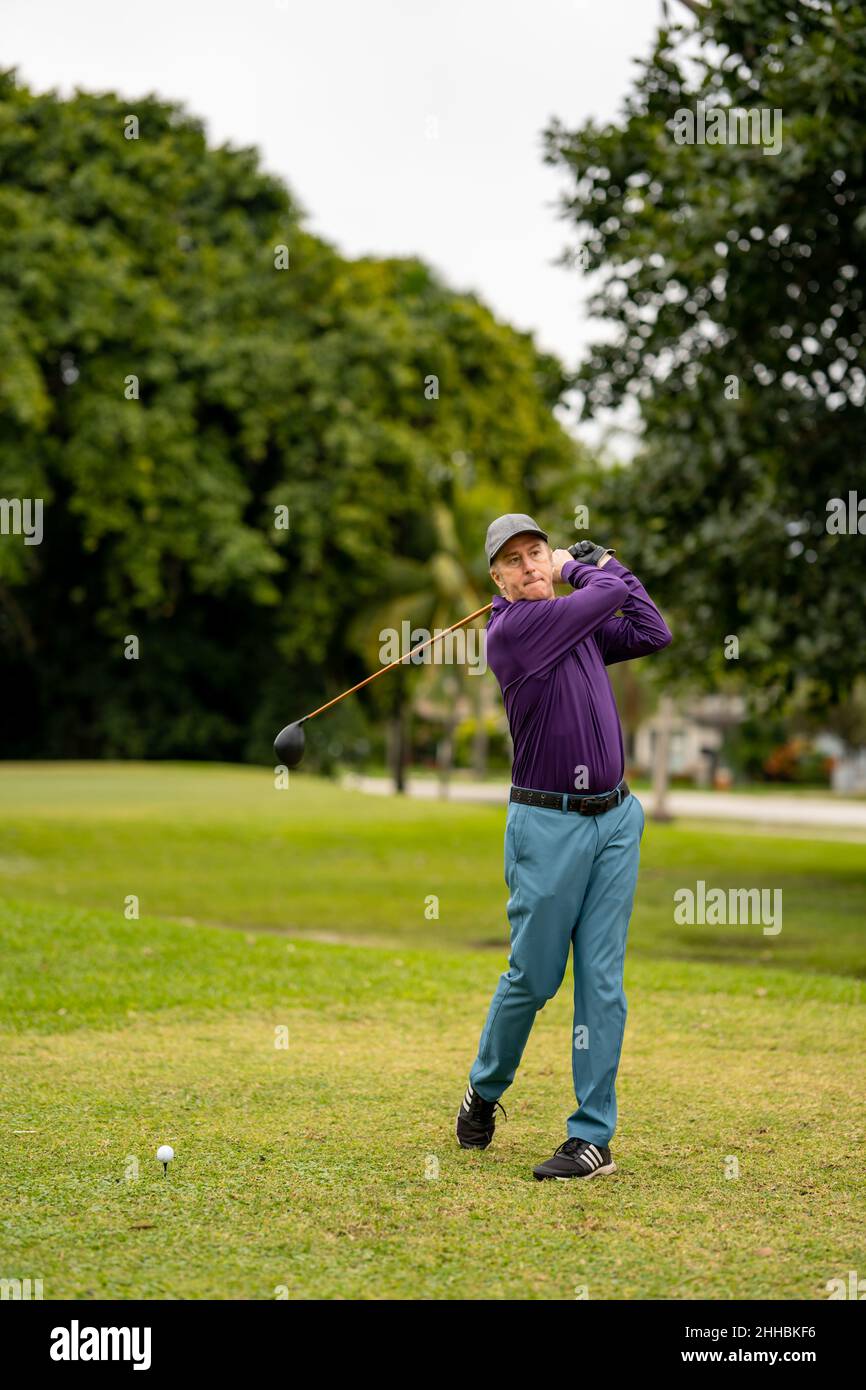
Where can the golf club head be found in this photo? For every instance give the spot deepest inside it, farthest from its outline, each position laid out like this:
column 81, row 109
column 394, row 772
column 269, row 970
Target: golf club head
column 289, row 744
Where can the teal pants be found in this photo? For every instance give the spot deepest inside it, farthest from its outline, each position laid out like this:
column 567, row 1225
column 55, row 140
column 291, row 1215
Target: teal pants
column 571, row 880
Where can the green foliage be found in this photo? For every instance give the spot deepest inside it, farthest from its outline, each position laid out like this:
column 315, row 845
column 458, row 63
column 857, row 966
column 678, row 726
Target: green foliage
column 719, row 261
column 259, row 387
column 498, row 744
column 764, row 750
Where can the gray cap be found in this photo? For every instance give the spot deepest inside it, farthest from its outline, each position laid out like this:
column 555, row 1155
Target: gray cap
column 504, row 527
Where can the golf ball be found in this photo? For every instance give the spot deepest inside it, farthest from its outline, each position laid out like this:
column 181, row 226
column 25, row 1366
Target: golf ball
column 165, row 1153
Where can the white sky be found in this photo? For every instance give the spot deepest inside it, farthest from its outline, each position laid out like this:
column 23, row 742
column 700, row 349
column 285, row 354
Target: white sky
column 339, row 96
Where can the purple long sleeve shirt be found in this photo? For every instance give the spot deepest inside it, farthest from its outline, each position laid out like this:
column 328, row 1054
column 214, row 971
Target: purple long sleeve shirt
column 549, row 656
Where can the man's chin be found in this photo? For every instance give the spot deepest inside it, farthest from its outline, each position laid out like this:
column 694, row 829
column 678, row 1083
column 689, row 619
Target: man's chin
column 538, row 590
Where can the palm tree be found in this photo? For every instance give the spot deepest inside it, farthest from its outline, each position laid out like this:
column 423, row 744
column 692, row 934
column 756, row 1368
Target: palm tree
column 431, row 594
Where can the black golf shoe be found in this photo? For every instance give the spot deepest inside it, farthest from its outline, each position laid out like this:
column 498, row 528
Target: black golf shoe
column 577, row 1158
column 475, row 1122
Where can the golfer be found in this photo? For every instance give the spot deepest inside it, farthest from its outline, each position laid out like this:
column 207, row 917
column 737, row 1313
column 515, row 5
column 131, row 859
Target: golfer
column 573, row 831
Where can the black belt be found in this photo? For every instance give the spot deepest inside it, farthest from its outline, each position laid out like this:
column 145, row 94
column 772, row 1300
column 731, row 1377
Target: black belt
column 584, row 805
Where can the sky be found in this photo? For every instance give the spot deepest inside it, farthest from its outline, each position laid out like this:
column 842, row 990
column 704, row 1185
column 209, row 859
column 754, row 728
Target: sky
column 402, row 128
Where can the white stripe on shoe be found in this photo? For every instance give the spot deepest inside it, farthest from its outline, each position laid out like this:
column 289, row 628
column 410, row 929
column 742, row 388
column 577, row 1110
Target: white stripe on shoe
column 596, row 1173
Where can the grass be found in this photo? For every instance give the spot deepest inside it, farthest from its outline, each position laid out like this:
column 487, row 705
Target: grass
column 219, row 845
column 328, row 1168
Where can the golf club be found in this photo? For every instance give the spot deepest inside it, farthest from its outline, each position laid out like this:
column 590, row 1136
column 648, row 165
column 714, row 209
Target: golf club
column 290, row 741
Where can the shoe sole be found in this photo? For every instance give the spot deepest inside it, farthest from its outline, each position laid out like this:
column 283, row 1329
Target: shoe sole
column 596, row 1173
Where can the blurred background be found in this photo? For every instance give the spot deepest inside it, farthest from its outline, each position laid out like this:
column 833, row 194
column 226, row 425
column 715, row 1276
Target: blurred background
column 265, row 431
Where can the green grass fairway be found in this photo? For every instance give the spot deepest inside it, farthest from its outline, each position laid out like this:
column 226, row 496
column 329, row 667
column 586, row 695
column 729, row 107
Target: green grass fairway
column 329, row 1168
column 219, row 845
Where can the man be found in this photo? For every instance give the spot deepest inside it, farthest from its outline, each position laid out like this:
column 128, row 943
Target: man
column 573, row 830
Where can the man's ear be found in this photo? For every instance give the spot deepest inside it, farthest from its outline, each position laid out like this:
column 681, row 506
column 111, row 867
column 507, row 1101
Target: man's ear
column 494, row 575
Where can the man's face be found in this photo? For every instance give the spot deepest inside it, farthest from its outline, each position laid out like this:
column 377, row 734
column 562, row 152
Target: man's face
column 523, row 568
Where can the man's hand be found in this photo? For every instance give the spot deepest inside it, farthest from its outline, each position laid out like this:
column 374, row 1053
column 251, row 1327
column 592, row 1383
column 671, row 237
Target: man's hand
column 560, row 557
column 588, row 553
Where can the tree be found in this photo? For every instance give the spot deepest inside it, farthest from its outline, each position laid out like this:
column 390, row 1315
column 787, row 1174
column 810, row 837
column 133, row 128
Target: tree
column 427, row 597
column 183, row 364
column 734, row 281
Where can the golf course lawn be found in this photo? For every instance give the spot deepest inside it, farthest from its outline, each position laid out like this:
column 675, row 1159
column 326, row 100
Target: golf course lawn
column 328, row 1168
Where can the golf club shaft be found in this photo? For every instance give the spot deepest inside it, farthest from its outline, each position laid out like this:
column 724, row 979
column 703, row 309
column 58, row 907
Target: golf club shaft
column 399, row 662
